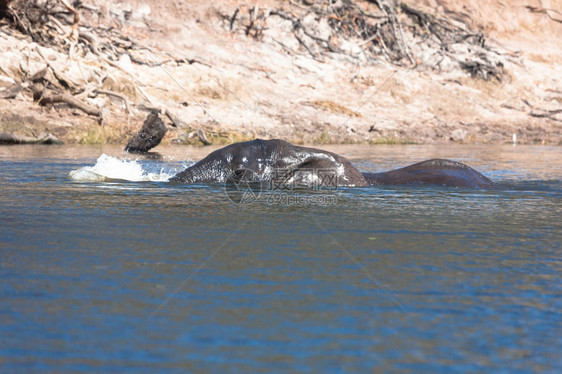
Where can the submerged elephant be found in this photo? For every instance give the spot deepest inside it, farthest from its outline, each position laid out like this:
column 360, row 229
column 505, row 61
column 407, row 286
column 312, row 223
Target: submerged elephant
column 284, row 165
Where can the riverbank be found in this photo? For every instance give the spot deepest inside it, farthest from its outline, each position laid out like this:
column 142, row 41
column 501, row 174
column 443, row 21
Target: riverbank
column 208, row 73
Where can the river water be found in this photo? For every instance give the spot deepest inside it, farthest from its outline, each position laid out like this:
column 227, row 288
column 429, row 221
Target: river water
column 128, row 273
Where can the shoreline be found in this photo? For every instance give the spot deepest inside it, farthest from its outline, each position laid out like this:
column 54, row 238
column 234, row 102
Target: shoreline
column 213, row 77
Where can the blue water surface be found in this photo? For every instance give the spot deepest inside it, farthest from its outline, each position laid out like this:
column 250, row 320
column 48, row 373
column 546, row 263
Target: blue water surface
column 147, row 277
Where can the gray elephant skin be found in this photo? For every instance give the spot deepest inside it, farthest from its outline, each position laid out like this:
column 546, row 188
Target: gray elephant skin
column 279, row 163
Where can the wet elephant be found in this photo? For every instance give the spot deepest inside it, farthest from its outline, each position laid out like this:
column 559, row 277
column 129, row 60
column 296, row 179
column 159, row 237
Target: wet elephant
column 280, row 163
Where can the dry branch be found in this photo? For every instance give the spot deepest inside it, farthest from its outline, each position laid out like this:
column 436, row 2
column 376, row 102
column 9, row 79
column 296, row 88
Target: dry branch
column 533, row 111
column 56, row 28
column 400, row 33
column 117, row 95
column 74, row 33
column 54, row 98
column 546, row 11
column 6, row 138
column 200, row 134
column 11, row 92
column 176, row 122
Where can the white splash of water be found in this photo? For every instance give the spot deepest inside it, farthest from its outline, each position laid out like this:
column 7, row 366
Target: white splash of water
column 108, row 167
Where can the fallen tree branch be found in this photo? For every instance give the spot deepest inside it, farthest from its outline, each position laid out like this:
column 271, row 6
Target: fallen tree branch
column 200, row 134
column 397, row 29
column 117, row 95
column 70, row 100
column 545, row 11
column 7, row 138
column 176, row 122
column 400, row 33
column 233, row 18
column 74, row 32
column 63, row 79
column 92, row 40
column 533, row 111
column 191, row 61
column 11, row 92
column 543, row 113
column 147, row 63
column 482, row 69
column 59, row 25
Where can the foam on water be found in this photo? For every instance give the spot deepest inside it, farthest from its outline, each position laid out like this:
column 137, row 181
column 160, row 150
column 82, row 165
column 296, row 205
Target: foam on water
column 108, row 167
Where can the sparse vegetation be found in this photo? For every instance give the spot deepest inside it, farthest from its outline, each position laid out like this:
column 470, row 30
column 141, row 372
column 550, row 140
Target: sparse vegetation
column 334, row 107
column 390, row 140
column 318, row 72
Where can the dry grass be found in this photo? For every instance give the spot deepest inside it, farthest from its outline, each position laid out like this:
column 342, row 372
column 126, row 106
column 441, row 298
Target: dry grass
column 333, row 107
column 95, row 134
column 390, row 140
